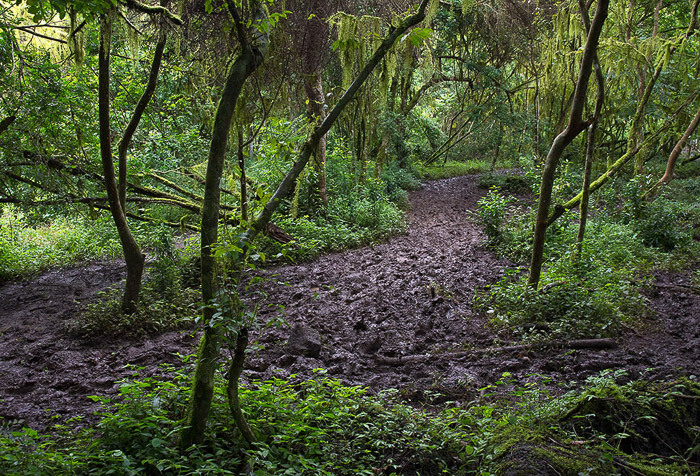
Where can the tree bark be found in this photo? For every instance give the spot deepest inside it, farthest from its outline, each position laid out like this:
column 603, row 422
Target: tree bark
column 314, row 45
column 574, row 127
column 234, row 374
column 600, row 98
column 203, row 384
column 5, row 123
column 132, row 253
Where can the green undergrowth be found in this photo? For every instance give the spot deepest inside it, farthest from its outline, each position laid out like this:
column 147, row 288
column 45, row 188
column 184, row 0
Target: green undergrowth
column 28, row 247
column 451, row 169
column 507, row 182
column 169, row 299
column 320, row 426
column 594, row 293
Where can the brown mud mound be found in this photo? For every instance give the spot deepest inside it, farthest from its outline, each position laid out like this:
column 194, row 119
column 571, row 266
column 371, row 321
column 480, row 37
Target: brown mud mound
column 353, row 313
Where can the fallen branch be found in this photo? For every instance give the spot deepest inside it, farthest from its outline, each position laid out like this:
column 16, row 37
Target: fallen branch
column 597, row 344
column 683, row 288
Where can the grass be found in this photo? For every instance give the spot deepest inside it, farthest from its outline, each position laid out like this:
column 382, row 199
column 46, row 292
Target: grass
column 26, row 249
column 451, row 169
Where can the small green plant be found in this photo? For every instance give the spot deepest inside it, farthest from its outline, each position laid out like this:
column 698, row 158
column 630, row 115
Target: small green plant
column 491, row 213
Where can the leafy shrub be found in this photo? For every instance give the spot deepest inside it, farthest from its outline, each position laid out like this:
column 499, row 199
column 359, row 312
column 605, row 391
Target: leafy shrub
column 491, row 213
column 155, row 314
column 322, row 427
column 587, row 295
column 313, row 427
column 398, row 181
column 658, row 225
column 506, row 182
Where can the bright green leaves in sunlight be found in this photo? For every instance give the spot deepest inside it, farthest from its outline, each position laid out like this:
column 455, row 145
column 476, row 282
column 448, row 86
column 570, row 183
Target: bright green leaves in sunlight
column 46, row 9
column 418, row 36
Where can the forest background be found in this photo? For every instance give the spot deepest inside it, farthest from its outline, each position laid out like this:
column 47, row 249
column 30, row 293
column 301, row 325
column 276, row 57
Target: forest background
column 203, row 140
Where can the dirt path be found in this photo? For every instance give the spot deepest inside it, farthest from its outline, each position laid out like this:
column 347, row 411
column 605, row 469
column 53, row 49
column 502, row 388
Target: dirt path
column 408, row 296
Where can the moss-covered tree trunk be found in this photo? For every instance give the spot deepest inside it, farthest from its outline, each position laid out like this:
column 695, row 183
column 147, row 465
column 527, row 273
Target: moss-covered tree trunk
column 248, row 59
column 315, row 43
column 203, row 384
column 573, row 128
column 590, row 146
column 132, row 253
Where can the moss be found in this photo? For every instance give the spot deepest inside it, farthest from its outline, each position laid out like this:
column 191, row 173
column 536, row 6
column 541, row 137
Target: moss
column 637, row 428
column 642, row 417
column 550, row 458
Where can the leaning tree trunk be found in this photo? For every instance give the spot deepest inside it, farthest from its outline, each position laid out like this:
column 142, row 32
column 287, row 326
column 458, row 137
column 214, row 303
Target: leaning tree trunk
column 639, row 116
column 676, row 152
column 139, row 110
column 573, row 128
column 132, row 253
column 247, row 61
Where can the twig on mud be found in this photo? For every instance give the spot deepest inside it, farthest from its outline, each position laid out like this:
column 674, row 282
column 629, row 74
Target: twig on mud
column 683, row 288
column 572, row 344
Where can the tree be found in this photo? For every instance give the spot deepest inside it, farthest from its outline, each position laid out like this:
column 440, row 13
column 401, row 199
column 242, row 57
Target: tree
column 247, row 60
column 116, row 194
column 575, row 126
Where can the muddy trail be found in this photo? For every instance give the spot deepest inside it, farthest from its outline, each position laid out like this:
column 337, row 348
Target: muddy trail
column 394, row 315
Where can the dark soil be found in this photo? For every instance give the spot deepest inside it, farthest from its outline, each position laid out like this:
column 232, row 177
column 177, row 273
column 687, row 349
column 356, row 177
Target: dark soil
column 352, row 313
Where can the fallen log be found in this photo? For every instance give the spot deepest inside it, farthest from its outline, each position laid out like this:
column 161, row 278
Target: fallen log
column 681, row 288
column 597, row 344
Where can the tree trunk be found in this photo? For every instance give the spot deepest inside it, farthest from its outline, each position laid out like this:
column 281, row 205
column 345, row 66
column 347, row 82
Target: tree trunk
column 243, row 183
column 203, row 384
column 139, row 110
column 574, row 127
column 638, row 120
column 676, row 152
column 600, row 98
column 132, row 253
column 315, row 41
column 234, row 374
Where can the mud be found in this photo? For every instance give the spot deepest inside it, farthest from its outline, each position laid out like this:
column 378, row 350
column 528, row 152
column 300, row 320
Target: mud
column 347, row 312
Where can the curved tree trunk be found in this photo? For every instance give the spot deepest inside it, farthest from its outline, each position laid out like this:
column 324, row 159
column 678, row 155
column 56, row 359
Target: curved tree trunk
column 574, row 127
column 676, row 152
column 132, row 253
column 203, row 386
